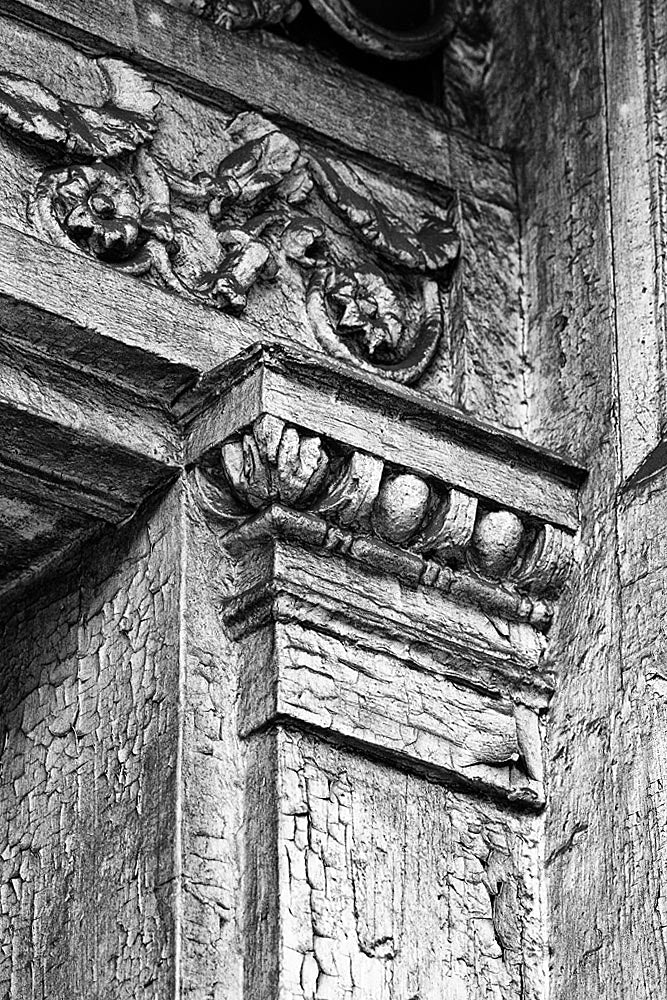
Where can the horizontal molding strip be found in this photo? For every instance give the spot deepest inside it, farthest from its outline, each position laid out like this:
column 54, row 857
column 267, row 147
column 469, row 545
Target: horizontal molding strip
column 393, row 423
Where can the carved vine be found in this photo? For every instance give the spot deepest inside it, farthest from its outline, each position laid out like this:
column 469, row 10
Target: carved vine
column 371, row 289
column 272, row 462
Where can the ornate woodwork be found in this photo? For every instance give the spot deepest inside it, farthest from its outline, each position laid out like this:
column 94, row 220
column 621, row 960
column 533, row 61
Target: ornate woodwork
column 378, row 303
column 287, row 583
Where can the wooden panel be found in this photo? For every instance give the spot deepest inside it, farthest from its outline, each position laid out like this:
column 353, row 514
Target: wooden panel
column 637, row 220
column 87, row 795
column 249, row 69
column 580, row 118
column 394, row 888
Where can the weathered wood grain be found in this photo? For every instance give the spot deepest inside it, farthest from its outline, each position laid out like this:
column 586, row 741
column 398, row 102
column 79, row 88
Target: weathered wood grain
column 585, row 121
column 392, row 888
column 409, row 676
column 419, row 626
column 637, row 230
column 89, row 732
column 418, row 720
column 314, row 859
column 215, row 888
column 564, row 187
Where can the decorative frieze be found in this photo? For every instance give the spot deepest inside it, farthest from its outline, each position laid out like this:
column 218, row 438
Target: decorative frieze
column 447, row 532
column 372, row 284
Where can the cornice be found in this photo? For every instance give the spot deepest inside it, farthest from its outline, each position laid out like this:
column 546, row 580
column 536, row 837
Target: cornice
column 396, row 423
column 347, row 508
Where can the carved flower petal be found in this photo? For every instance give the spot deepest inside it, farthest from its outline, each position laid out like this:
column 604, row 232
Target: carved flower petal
column 315, row 463
column 302, row 463
column 288, row 466
column 268, row 432
column 231, row 454
column 245, row 471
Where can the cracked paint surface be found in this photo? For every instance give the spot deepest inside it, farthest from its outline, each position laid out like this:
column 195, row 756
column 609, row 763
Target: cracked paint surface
column 393, row 887
column 89, row 689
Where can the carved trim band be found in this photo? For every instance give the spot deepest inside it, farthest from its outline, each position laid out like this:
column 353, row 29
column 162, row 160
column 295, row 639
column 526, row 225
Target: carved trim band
column 372, row 286
column 422, row 529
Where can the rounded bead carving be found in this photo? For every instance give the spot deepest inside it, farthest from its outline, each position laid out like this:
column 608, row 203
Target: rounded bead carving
column 400, row 507
column 496, row 542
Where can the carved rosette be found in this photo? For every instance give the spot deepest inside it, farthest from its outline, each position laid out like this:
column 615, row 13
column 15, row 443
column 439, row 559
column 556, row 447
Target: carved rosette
column 371, row 284
column 444, row 530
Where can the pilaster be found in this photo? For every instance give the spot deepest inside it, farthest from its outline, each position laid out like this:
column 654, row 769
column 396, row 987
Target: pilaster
column 285, row 738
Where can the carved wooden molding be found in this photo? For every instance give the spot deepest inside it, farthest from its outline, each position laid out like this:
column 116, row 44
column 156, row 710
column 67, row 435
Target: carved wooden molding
column 423, row 530
column 214, row 237
column 348, row 518
column 394, row 423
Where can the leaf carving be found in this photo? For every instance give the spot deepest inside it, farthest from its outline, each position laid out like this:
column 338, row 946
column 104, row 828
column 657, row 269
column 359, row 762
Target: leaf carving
column 431, row 248
column 121, row 124
column 266, row 161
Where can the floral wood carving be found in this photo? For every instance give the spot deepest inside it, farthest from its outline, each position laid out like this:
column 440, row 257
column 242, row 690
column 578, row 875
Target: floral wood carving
column 120, row 125
column 372, row 283
column 450, row 531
